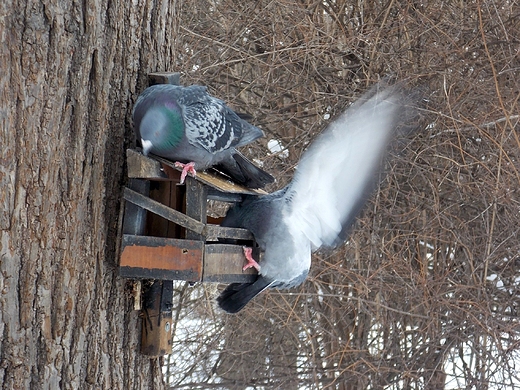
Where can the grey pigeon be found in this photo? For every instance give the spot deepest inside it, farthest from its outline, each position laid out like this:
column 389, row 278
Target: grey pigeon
column 187, row 125
column 333, row 180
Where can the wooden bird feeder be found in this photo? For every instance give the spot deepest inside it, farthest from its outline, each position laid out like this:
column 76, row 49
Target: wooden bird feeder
column 167, row 235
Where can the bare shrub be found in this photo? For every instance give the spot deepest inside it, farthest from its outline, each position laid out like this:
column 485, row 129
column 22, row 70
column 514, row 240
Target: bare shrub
column 424, row 295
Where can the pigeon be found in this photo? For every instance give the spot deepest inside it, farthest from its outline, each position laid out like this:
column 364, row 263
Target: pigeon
column 332, row 182
column 196, row 131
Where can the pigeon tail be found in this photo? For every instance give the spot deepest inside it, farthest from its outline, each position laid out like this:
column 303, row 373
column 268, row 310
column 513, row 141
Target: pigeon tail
column 250, row 133
column 243, row 171
column 237, row 295
column 254, row 177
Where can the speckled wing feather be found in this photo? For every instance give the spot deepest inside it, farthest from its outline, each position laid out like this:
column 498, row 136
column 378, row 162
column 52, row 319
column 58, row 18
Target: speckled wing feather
column 213, row 125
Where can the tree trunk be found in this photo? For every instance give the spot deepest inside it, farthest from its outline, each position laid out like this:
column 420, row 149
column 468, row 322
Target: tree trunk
column 68, row 75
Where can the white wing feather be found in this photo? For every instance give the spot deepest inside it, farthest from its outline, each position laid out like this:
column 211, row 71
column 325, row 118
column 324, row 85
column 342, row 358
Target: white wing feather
column 334, row 175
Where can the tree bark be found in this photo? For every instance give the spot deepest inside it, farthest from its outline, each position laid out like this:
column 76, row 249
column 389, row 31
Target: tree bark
column 69, row 74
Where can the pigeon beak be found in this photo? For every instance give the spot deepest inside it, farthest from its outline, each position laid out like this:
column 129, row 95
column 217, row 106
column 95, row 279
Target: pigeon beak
column 147, row 145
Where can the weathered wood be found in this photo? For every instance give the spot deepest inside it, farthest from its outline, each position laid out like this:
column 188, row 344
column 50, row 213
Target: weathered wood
column 134, row 218
column 223, row 264
column 164, row 211
column 212, row 232
column 167, row 194
column 214, row 180
column 156, row 335
column 196, row 205
column 143, row 167
column 220, row 196
column 158, row 168
column 164, row 78
column 145, row 257
column 172, row 259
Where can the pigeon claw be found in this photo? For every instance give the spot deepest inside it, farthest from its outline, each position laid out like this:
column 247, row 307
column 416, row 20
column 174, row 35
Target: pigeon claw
column 251, row 263
column 186, row 168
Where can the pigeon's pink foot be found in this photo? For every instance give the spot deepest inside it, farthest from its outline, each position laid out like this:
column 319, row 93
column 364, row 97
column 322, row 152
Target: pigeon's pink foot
column 186, row 168
column 248, row 252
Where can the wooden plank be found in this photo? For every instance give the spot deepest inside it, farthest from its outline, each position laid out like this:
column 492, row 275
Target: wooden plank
column 173, row 78
column 220, row 196
column 181, row 219
column 180, row 205
column 145, row 257
column 212, row 232
column 196, row 205
column 143, row 167
column 164, row 211
column 224, row 184
column 134, row 220
column 158, row 168
column 156, row 334
column 215, row 180
column 157, row 226
column 223, row 264
column 164, row 192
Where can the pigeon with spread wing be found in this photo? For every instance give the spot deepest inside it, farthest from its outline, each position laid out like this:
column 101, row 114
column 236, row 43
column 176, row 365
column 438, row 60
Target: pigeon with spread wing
column 197, row 131
column 333, row 180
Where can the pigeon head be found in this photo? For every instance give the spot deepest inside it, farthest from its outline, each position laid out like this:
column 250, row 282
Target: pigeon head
column 161, row 129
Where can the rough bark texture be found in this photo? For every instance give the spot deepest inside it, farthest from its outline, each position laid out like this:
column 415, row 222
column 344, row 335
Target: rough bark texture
column 70, row 72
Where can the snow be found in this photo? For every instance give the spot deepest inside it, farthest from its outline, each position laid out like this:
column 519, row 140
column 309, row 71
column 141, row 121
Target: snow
column 275, row 147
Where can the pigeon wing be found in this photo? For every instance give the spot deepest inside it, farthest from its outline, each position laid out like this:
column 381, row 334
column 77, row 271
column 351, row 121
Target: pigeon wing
column 211, row 124
column 340, row 169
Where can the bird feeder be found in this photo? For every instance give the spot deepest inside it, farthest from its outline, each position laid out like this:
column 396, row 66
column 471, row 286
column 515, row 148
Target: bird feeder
column 166, row 234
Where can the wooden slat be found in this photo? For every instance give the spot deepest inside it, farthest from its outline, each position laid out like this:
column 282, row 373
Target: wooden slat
column 164, row 211
column 134, row 220
column 223, row 264
column 145, row 257
column 143, row 168
column 215, row 180
column 164, row 192
column 158, row 168
column 156, row 335
column 196, row 205
column 172, row 259
column 220, row 196
column 183, row 220
column 214, row 231
column 172, row 78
